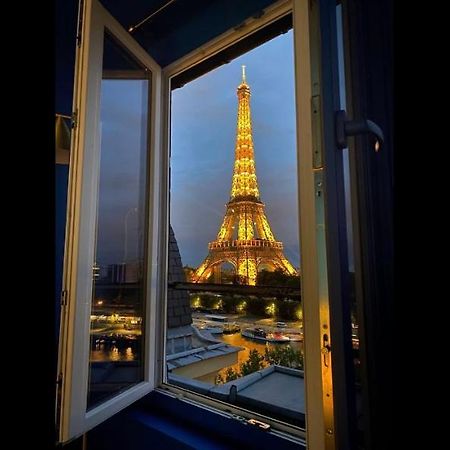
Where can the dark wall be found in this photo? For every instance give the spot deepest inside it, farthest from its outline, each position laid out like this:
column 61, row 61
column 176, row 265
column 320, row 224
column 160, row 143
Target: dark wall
column 66, row 12
column 65, row 42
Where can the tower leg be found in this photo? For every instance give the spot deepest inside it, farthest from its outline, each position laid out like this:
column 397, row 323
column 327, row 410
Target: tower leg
column 217, row 274
column 203, row 271
column 247, row 270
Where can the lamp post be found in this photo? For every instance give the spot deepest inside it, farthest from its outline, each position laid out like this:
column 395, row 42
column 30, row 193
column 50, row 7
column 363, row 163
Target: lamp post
column 125, row 251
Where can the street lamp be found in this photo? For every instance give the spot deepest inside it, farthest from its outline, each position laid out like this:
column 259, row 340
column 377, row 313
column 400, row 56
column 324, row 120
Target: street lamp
column 125, row 251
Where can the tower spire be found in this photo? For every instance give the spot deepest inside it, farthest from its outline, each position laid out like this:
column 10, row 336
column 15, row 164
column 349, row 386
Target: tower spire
column 244, row 183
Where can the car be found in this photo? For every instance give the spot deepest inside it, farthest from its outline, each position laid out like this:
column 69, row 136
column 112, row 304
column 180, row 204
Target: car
column 281, row 325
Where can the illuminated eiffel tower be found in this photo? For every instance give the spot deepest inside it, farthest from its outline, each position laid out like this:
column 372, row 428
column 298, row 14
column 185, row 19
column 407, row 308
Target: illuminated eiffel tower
column 245, row 239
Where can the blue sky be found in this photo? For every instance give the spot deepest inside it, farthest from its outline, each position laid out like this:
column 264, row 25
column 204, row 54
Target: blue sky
column 204, row 115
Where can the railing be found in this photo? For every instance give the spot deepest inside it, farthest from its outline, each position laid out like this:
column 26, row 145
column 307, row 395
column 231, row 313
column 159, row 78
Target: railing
column 257, row 291
column 255, row 243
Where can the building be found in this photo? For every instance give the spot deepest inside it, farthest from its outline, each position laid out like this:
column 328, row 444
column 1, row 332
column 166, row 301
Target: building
column 124, row 273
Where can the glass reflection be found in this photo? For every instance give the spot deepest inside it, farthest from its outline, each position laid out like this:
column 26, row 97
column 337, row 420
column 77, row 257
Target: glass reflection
column 116, row 353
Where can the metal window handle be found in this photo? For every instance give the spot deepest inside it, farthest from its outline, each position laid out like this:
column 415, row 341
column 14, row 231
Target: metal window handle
column 326, row 349
column 345, row 127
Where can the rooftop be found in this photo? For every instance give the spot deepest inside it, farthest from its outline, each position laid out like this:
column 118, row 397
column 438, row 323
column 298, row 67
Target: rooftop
column 275, row 390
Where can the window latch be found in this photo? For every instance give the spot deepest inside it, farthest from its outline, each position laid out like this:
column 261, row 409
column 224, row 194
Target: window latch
column 257, row 423
column 346, row 127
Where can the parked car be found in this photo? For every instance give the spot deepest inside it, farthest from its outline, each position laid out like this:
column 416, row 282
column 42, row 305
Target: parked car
column 281, row 325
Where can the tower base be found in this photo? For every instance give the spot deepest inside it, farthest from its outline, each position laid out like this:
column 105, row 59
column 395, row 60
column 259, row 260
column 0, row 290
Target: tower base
column 246, row 257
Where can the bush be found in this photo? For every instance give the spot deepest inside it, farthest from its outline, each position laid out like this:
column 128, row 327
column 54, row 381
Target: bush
column 287, row 309
column 280, row 356
column 254, row 363
column 277, row 278
column 230, row 304
column 285, row 356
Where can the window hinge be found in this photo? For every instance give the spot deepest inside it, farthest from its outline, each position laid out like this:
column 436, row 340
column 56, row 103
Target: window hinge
column 64, row 297
column 74, row 119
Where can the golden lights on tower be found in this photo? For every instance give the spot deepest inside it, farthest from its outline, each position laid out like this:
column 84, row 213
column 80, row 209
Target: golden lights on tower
column 245, row 238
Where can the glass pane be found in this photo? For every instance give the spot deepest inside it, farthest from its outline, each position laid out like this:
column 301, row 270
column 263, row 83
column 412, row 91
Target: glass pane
column 116, row 353
column 234, row 286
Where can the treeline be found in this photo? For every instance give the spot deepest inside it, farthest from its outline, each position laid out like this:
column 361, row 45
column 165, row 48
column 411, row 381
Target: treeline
column 285, row 309
column 277, row 278
column 285, row 356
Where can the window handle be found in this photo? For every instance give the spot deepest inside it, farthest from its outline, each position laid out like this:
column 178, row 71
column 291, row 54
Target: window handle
column 326, row 349
column 346, row 127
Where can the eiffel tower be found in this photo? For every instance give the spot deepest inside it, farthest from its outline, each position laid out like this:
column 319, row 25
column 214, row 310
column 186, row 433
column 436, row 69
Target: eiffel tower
column 245, row 238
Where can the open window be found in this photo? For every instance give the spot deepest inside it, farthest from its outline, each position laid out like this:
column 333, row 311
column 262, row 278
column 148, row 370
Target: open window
column 234, row 312
column 108, row 333
column 117, row 276
column 190, row 366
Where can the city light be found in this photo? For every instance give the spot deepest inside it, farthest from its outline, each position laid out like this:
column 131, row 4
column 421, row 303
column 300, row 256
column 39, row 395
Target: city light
column 241, row 307
column 196, row 303
column 271, row 309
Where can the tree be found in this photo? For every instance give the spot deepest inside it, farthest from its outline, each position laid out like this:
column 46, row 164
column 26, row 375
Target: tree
column 285, row 356
column 277, row 278
column 230, row 375
column 254, row 363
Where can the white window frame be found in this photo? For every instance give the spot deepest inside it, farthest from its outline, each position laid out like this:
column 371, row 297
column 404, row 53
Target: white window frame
column 83, row 185
column 73, row 362
column 318, row 376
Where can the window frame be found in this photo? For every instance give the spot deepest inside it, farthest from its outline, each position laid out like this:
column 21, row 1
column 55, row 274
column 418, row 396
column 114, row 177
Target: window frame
column 72, row 416
column 74, row 343
column 318, row 378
